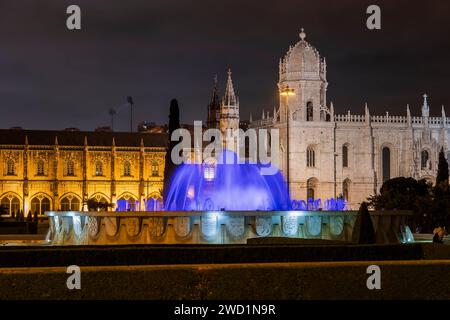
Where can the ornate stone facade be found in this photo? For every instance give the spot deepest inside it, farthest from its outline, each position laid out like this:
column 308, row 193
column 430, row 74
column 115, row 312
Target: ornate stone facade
column 224, row 114
column 61, row 170
column 344, row 154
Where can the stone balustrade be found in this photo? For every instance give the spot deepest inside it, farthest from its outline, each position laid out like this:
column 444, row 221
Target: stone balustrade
column 361, row 119
column 214, row 227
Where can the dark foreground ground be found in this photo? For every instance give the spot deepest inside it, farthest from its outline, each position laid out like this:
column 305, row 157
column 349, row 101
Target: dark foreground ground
column 53, row 256
column 415, row 271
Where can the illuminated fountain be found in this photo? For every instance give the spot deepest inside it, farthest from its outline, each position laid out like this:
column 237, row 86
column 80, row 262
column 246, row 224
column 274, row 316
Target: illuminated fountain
column 226, row 185
column 330, row 204
column 222, row 202
column 234, row 186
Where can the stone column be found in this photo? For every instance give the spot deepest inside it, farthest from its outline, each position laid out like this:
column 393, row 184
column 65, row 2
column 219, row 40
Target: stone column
column 84, row 165
column 55, row 185
column 142, row 195
column 113, row 174
column 25, row 191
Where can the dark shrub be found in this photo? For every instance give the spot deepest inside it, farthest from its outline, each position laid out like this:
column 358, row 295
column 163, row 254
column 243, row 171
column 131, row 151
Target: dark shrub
column 363, row 231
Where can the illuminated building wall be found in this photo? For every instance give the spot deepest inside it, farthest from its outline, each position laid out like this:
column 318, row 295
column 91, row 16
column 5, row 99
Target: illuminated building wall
column 349, row 155
column 53, row 170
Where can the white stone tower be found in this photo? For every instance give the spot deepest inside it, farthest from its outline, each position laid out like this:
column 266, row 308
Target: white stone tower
column 229, row 108
column 303, row 70
column 307, row 136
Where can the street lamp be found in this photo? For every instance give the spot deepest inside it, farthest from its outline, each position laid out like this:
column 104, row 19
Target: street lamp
column 112, row 112
column 287, row 92
column 131, row 102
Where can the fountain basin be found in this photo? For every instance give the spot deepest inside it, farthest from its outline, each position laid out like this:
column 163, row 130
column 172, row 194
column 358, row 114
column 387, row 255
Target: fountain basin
column 215, row 227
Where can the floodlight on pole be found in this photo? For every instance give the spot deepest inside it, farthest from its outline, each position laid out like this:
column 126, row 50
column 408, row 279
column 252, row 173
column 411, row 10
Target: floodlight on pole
column 287, row 92
column 130, row 102
column 112, row 112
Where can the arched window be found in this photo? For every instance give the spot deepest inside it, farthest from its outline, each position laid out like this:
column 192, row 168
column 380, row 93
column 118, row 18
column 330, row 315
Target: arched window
column 10, row 168
column 10, row 204
column 127, row 203
column 268, row 143
column 40, row 204
column 209, row 172
column 209, row 169
column 98, row 168
column 154, row 203
column 98, row 203
column 155, row 169
column 309, row 111
column 247, row 149
column 346, row 189
column 70, row 203
column 425, row 164
column 345, row 156
column 386, row 163
column 70, row 168
column 310, row 157
column 127, row 169
column 40, row 168
column 311, row 188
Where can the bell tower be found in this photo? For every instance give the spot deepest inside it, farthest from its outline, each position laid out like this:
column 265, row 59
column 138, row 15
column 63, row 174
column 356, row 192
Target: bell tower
column 304, row 70
column 229, row 108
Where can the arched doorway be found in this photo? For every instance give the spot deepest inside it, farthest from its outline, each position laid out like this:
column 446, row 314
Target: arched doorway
column 311, row 188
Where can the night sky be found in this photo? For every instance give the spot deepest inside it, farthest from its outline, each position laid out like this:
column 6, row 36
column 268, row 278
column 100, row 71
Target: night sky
column 155, row 50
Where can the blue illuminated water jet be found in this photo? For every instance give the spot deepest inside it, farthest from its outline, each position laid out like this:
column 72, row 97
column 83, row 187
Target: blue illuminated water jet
column 330, row 204
column 226, row 185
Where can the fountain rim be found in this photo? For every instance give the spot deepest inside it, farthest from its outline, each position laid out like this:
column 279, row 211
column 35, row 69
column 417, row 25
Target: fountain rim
column 162, row 214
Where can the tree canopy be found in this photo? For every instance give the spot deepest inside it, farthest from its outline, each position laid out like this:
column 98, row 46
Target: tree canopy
column 442, row 174
column 430, row 204
column 401, row 194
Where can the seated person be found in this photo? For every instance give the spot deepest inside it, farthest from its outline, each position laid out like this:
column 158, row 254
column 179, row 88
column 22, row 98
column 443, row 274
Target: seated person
column 439, row 234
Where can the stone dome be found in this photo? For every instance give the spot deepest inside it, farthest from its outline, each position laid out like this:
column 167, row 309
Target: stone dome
column 302, row 60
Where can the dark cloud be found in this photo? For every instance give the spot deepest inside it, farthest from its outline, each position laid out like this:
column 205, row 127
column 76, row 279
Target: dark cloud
column 156, row 50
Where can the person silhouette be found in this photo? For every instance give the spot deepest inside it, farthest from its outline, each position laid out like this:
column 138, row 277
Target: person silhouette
column 439, row 234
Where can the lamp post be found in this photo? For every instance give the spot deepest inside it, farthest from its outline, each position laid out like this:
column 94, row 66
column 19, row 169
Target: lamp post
column 131, row 102
column 287, row 92
column 112, row 112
